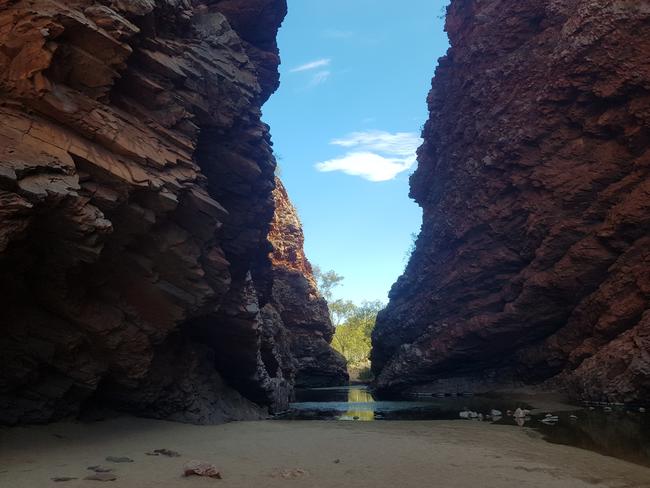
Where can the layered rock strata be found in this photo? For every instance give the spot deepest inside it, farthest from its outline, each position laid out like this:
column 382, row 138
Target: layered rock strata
column 533, row 262
column 136, row 185
column 295, row 297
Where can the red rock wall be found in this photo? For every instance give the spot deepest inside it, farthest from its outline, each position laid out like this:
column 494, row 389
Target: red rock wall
column 533, row 263
column 136, row 187
column 295, row 297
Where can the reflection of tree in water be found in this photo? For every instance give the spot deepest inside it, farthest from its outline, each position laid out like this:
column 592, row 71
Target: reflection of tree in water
column 358, row 395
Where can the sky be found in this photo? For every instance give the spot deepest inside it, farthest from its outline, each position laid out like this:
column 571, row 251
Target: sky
column 345, row 124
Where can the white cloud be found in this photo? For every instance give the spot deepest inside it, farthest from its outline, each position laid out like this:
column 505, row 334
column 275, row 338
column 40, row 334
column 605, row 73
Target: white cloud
column 370, row 166
column 398, row 143
column 319, row 63
column 320, row 77
column 374, row 155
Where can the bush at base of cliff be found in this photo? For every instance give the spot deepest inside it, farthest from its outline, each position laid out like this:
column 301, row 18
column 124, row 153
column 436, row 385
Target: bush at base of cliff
column 352, row 336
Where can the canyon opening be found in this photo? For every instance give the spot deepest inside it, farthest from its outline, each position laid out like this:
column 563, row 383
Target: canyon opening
column 414, row 252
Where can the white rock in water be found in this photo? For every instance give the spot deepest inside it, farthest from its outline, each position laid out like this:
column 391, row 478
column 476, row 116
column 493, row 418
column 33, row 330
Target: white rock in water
column 641, row 410
column 519, row 413
column 496, row 413
column 464, row 415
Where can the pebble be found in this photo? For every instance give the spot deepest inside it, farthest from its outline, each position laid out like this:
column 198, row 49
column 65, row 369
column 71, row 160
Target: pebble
column 496, row 413
column 163, row 452
column 468, row 414
column 201, row 468
column 641, row 410
column 288, row 474
column 101, row 477
column 100, row 469
column 550, row 419
column 118, row 459
column 59, row 479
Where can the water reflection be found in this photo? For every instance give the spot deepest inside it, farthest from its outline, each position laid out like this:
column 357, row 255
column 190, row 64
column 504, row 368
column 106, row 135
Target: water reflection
column 365, row 411
column 624, row 434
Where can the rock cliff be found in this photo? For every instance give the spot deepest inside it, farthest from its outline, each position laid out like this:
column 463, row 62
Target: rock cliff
column 533, row 261
column 136, row 185
column 295, row 297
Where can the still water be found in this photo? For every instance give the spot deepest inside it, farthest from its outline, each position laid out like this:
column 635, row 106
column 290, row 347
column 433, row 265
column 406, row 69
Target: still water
column 620, row 433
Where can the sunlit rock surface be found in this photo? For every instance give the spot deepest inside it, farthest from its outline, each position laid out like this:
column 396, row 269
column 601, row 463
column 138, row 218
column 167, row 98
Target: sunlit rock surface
column 136, row 185
column 533, row 264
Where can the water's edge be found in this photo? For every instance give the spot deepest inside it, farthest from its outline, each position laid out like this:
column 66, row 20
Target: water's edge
column 616, row 431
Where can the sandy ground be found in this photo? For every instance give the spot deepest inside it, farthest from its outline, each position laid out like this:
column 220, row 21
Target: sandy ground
column 304, row 454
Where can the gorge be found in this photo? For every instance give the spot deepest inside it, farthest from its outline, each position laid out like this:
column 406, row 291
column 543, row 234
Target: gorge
column 161, row 324
column 151, row 261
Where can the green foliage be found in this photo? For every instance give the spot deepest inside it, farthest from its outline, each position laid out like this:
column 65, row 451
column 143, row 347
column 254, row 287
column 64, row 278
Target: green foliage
column 354, row 323
column 352, row 336
column 327, row 281
column 340, row 310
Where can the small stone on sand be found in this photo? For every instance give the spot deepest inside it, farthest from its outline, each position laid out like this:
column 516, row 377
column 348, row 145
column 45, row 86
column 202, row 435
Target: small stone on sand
column 163, row 452
column 201, row 468
column 117, row 459
column 101, row 477
column 58, row 479
column 100, row 469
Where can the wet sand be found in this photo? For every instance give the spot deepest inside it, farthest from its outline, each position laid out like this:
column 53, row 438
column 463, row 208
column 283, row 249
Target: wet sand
column 307, row 454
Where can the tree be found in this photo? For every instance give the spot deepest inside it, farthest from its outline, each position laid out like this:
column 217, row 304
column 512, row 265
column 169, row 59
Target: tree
column 340, row 311
column 352, row 336
column 327, row 281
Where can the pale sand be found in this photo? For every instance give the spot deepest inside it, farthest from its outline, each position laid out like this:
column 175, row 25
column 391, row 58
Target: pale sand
column 398, row 454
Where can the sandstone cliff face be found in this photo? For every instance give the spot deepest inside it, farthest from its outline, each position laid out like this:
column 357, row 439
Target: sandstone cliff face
column 295, row 297
column 533, row 263
column 136, row 187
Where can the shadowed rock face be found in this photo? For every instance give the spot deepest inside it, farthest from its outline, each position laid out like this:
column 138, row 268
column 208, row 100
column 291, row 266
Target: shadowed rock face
column 136, row 187
column 295, row 297
column 533, row 263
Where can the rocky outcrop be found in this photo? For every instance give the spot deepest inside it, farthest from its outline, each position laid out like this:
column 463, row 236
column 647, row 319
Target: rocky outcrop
column 295, row 298
column 533, row 262
column 136, row 187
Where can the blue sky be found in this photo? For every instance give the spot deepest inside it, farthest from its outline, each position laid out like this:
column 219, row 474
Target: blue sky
column 345, row 123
